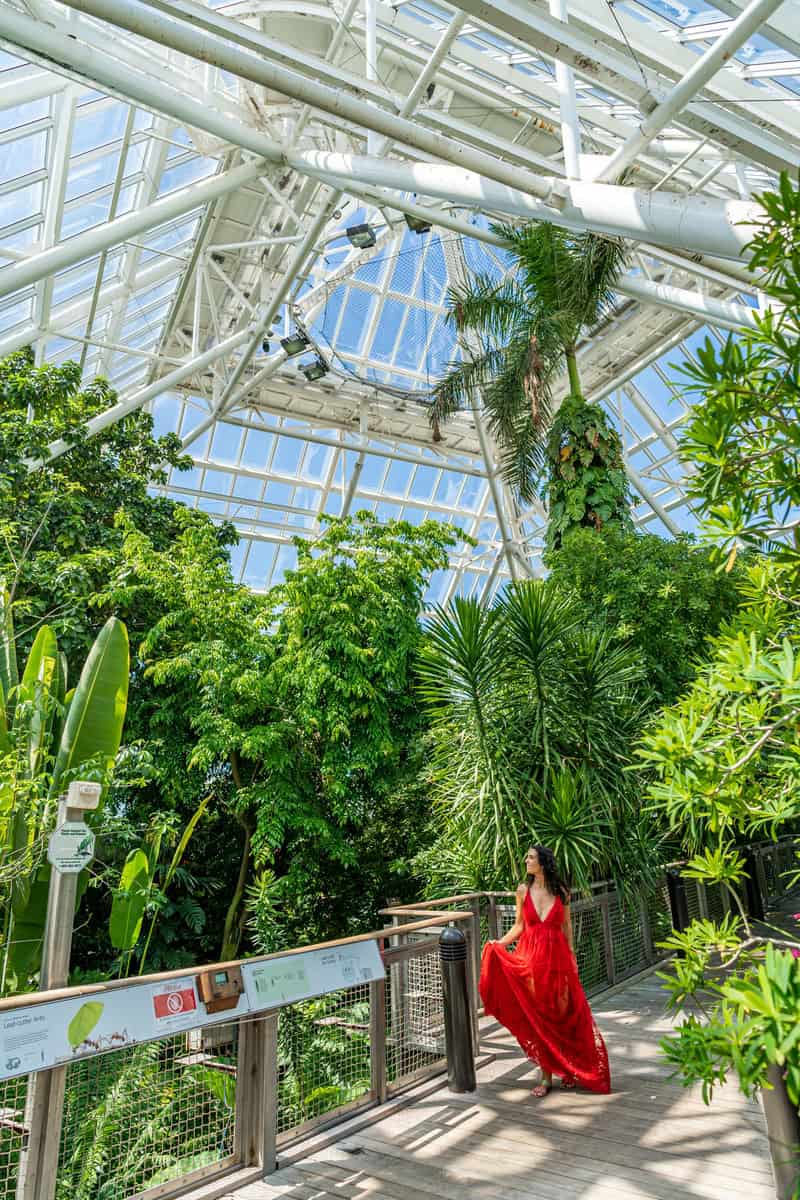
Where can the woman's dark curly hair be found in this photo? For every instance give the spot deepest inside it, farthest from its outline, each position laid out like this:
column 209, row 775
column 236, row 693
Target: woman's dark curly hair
column 555, row 884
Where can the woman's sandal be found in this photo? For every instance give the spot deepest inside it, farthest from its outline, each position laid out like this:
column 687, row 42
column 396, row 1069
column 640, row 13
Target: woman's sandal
column 541, row 1090
column 569, row 1084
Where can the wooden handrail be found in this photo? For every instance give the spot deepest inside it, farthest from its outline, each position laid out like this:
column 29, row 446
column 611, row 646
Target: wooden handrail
column 95, row 989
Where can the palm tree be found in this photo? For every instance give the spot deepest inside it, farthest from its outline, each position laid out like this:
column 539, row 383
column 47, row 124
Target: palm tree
column 525, row 328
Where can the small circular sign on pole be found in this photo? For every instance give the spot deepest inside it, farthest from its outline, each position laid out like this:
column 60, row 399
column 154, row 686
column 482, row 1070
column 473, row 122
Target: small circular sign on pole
column 71, row 847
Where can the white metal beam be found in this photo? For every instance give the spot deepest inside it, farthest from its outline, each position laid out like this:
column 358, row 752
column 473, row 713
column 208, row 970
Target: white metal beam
column 695, row 79
column 102, row 237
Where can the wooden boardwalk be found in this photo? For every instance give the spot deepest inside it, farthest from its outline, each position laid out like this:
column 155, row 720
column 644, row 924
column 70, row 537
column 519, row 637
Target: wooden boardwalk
column 649, row 1138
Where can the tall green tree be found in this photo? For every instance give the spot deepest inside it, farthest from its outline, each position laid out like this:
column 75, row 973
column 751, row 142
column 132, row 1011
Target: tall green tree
column 58, row 536
column 519, row 332
column 59, row 543
column 301, row 702
column 663, row 596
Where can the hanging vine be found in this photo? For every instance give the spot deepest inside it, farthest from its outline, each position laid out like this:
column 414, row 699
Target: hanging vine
column 585, row 482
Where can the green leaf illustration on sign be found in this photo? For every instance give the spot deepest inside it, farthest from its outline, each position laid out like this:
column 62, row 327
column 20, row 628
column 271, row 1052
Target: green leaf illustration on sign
column 84, row 1022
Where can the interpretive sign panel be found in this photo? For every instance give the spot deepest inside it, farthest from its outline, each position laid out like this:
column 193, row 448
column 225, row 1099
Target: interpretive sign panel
column 310, row 973
column 36, row 1036
column 47, row 1035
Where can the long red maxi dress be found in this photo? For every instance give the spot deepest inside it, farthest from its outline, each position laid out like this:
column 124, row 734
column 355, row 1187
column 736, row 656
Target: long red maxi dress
column 536, row 993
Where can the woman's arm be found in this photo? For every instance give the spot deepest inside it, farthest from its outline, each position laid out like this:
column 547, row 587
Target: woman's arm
column 518, row 926
column 567, row 927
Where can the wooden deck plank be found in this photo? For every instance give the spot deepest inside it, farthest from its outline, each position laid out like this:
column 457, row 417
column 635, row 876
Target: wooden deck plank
column 650, row 1139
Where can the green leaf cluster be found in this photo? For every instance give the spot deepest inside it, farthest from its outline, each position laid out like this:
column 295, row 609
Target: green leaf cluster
column 300, row 709
column 664, row 597
column 725, row 758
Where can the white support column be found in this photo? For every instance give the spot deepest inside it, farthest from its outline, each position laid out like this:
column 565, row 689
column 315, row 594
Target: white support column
column 692, row 82
column 371, row 57
column 565, row 86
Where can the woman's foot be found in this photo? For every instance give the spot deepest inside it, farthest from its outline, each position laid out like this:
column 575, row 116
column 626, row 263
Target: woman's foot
column 569, row 1084
column 541, row 1089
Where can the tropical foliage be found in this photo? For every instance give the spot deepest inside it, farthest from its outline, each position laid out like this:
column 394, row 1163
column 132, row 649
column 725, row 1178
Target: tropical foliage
column 518, row 332
column 726, row 757
column 49, row 735
column 663, row 597
column 533, row 720
column 585, row 484
column 300, row 711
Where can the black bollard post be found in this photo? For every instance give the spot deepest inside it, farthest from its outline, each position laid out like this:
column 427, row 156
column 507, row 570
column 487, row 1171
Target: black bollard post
column 677, row 899
column 457, row 1015
column 754, row 901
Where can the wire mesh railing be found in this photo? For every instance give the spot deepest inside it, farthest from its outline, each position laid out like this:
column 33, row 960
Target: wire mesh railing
column 148, row 1119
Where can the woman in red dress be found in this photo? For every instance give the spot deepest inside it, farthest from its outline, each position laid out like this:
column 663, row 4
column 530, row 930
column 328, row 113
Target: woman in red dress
column 536, row 993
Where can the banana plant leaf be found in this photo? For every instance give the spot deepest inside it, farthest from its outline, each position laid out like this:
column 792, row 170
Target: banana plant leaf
column 9, row 676
column 93, row 727
column 37, row 697
column 130, row 901
column 91, row 734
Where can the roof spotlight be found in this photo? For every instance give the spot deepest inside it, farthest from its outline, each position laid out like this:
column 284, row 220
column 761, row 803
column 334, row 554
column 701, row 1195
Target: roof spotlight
column 315, row 370
column 265, row 346
column 295, row 343
column 361, row 236
column 417, row 224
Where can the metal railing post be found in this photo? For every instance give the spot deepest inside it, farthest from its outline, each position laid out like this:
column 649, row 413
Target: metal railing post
column 377, row 1039
column 754, row 897
column 457, row 1016
column 678, row 905
column 494, row 919
column 647, row 931
column 608, row 944
column 475, row 973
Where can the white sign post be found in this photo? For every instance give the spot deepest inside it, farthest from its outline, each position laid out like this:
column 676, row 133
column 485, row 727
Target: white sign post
column 70, row 849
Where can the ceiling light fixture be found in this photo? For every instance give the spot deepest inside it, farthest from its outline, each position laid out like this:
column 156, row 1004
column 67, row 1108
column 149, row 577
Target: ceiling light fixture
column 417, row 224
column 315, row 370
column 361, row 236
column 295, row 343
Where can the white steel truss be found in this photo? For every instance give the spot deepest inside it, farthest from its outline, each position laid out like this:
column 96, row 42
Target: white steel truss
column 177, row 182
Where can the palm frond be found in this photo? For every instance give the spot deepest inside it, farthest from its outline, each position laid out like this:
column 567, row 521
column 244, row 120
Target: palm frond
column 463, row 382
column 496, row 310
column 517, row 403
column 599, row 262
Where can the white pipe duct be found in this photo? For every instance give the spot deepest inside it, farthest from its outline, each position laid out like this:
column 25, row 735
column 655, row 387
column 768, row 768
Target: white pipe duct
column 699, row 223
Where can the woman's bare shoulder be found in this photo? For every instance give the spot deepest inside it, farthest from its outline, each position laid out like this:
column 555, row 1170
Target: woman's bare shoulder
column 522, row 889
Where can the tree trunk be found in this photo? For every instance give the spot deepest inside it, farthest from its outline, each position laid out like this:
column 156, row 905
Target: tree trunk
column 234, row 922
column 572, row 372
column 783, row 1130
